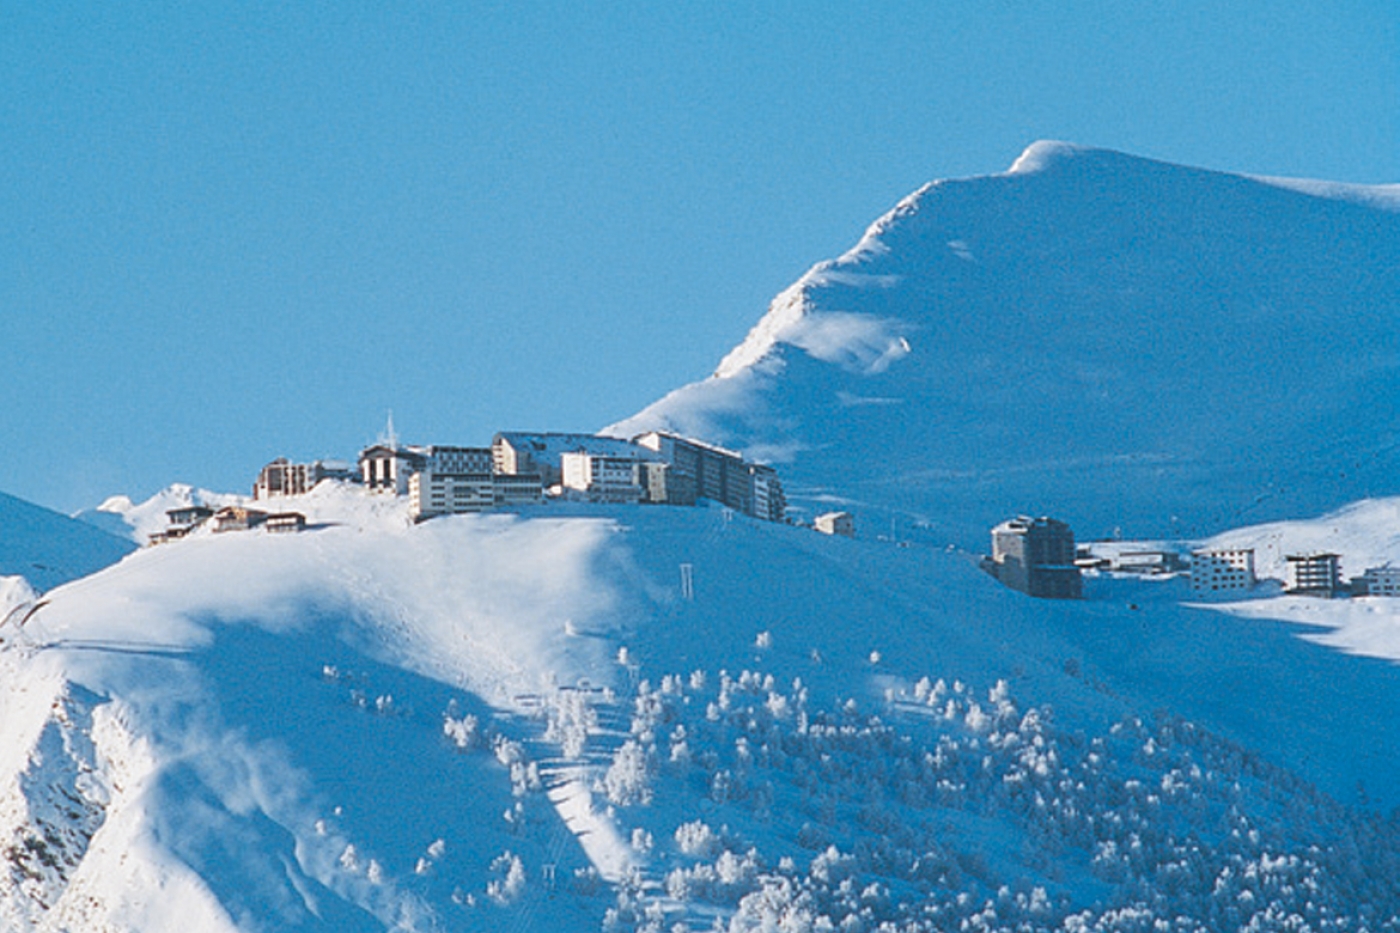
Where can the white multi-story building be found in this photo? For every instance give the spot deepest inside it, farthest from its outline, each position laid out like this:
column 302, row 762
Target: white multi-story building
column 388, row 467
column 603, row 478
column 1378, row 581
column 1222, row 570
column 517, row 489
column 516, row 452
column 460, row 460
column 431, row 494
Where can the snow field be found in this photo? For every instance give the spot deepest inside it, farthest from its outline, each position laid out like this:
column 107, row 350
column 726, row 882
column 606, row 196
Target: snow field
column 520, row 722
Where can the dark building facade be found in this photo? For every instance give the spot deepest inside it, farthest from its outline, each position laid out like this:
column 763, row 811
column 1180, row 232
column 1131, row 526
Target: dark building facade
column 1036, row 556
column 722, row 475
column 1314, row 574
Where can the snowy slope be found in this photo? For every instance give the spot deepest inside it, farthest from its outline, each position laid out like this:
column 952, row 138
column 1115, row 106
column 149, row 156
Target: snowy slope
column 46, row 548
column 1119, row 341
column 519, row 722
column 522, row 721
column 1365, row 534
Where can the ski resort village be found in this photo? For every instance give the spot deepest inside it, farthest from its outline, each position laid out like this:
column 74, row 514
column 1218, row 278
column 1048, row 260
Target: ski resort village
column 518, row 469
column 1030, row 567
column 1036, row 556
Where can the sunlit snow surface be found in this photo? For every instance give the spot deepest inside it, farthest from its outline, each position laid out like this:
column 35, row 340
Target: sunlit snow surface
column 522, row 722
column 517, row 722
column 1122, row 342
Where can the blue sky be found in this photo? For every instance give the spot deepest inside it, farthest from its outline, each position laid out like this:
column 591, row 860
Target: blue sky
column 230, row 232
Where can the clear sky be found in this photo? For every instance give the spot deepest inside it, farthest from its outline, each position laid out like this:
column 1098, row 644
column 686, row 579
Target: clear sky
column 235, row 231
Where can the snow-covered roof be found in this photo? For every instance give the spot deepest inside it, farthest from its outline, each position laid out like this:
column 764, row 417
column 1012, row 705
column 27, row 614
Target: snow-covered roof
column 551, row 445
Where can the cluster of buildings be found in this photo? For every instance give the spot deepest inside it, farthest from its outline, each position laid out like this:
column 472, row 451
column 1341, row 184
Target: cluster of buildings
column 1223, row 571
column 1038, row 556
column 186, row 519
column 519, row 468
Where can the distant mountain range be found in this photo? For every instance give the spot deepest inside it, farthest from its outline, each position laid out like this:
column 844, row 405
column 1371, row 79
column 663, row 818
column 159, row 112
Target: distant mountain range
column 1121, row 342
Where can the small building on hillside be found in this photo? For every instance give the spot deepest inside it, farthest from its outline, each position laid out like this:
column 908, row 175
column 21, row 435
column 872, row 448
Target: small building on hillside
column 281, row 477
column 285, row 523
column 835, row 523
column 238, row 518
column 181, row 521
column 1036, row 556
column 1148, row 563
column 1377, row 581
column 1222, row 570
column 1314, row 574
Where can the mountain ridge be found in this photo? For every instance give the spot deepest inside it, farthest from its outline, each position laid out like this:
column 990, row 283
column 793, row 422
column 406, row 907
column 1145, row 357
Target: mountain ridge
column 1140, row 320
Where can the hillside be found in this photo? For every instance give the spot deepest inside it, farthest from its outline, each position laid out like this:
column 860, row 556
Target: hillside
column 524, row 720
column 1120, row 342
column 46, row 548
column 519, row 722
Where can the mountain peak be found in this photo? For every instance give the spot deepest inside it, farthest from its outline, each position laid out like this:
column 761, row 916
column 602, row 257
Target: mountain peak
column 1062, row 335
column 1045, row 153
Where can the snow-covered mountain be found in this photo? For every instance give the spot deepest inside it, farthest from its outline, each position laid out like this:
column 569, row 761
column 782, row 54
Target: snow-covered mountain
column 528, row 721
column 46, row 548
column 1121, row 342
column 138, row 521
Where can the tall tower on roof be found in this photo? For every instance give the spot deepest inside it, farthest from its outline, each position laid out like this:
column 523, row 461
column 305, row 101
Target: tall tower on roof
column 390, row 437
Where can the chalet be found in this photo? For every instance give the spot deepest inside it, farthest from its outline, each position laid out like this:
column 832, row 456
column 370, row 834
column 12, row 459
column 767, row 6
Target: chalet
column 181, row 521
column 238, row 518
column 285, row 522
column 1314, row 574
column 835, row 523
column 189, row 516
column 1222, row 570
column 1036, row 556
